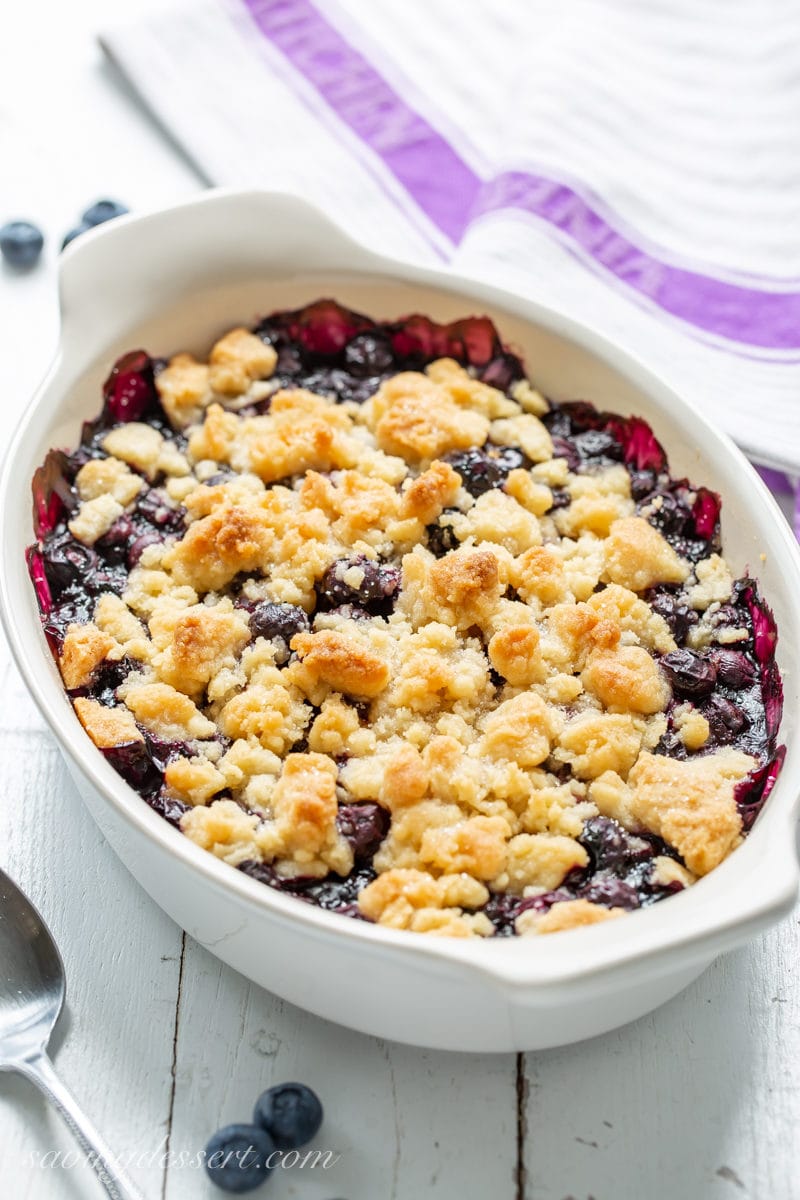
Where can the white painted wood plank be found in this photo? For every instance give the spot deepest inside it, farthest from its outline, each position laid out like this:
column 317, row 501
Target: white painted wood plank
column 407, row 1123
column 114, row 1042
column 700, row 1099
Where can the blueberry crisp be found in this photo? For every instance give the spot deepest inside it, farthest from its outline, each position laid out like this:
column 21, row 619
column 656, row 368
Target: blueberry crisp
column 364, row 615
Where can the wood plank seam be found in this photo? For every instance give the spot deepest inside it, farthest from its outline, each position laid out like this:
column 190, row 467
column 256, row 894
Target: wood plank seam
column 173, row 1066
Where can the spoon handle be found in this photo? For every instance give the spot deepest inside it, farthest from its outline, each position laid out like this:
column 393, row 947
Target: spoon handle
column 41, row 1071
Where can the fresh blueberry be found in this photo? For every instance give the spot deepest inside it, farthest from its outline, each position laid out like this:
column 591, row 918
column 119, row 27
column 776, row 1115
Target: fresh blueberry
column 101, row 211
column 21, row 243
column 75, row 232
column 237, row 1156
column 290, row 1113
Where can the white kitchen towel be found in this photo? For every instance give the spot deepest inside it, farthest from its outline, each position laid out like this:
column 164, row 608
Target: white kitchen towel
column 635, row 163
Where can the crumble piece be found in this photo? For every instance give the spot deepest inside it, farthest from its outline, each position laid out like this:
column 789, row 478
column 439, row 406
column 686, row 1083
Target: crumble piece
column 107, row 727
column 537, row 498
column 193, row 780
column 514, row 654
column 302, row 432
column 637, row 556
column 538, row 574
column 714, row 583
column 626, row 679
column 498, row 519
column 689, row 803
column 84, row 648
column 461, row 589
column 108, row 475
column 205, row 641
column 94, row 518
column 633, row 615
column 405, row 778
column 539, row 860
column 520, row 729
column 112, row 616
column 404, row 899
column 416, row 419
column 238, row 359
column 595, row 742
column 568, row 914
column 476, row 847
column 693, row 728
column 433, row 490
column 339, row 661
column 269, row 712
column 166, row 712
column 138, row 444
column 224, row 829
column 219, row 546
column 666, row 872
column 304, row 811
column 528, row 398
column 467, row 392
column 334, row 728
column 525, row 431
column 184, row 390
column 597, row 501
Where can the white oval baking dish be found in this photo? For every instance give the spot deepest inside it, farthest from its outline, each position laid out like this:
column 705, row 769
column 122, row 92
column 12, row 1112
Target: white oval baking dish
column 177, row 279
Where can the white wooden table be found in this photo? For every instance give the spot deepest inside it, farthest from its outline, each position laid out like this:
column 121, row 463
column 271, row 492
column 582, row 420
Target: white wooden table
column 163, row 1043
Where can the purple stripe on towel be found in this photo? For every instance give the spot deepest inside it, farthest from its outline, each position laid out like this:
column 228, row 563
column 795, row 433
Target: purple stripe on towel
column 450, row 193
column 421, row 160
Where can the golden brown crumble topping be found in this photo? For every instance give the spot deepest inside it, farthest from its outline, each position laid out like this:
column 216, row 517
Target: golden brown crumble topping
column 512, row 691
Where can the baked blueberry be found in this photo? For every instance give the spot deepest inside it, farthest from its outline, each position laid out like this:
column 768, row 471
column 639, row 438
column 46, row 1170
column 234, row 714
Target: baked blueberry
column 364, row 826
column 689, row 673
column 290, row 1113
column 485, row 467
column 361, row 581
column 278, row 623
column 237, row 1158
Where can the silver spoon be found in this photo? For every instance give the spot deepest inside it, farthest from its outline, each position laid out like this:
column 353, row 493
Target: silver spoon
column 31, row 996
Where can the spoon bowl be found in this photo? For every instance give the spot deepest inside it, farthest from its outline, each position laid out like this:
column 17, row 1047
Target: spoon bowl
column 32, row 983
column 32, row 989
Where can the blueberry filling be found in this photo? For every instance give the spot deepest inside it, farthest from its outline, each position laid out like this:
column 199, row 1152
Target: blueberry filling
column 732, row 681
